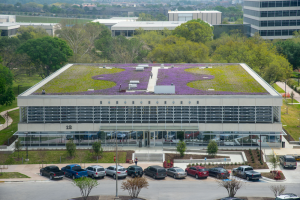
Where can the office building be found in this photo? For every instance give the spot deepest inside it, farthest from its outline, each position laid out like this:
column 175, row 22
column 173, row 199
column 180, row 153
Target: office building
column 211, row 17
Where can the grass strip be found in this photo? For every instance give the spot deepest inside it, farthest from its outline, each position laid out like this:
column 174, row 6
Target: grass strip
column 11, row 175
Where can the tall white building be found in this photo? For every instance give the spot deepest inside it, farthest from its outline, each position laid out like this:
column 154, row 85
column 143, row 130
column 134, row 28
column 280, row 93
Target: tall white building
column 272, row 19
column 212, row 17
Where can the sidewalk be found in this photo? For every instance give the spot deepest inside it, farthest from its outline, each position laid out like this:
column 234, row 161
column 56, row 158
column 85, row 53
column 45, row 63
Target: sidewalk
column 3, row 126
column 289, row 90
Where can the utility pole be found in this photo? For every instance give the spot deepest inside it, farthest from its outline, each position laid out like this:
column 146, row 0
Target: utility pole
column 116, row 166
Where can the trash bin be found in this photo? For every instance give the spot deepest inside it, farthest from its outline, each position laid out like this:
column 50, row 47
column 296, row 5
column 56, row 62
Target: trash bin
column 140, row 143
column 283, row 144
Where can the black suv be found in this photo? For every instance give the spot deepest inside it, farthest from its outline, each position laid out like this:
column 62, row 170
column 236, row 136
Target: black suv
column 135, row 171
column 156, row 172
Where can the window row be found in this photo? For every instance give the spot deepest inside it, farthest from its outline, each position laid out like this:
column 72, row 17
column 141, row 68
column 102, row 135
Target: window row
column 278, row 13
column 150, row 114
column 277, row 32
column 270, row 4
column 272, row 22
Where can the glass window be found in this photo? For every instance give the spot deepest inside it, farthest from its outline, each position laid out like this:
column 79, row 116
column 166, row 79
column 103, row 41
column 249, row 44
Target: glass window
column 264, row 13
column 278, row 13
column 293, row 22
column 293, row 13
column 264, row 4
column 271, row 3
column 285, row 32
column 286, row 13
column 271, row 23
column 263, row 23
column 271, row 13
column 291, row 31
column 294, row 3
column 285, row 22
column 298, row 12
column 298, row 22
column 277, row 32
column 263, row 33
column 278, row 3
column 286, row 3
column 278, row 23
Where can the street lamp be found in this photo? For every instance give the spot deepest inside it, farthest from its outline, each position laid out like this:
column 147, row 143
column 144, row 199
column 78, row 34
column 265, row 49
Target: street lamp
column 285, row 90
column 19, row 89
column 26, row 147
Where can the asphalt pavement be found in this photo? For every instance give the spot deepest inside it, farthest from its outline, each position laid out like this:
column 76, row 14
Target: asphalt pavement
column 173, row 189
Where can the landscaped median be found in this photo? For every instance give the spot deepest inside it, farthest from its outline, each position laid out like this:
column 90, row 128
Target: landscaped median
column 11, row 175
column 273, row 176
column 61, row 156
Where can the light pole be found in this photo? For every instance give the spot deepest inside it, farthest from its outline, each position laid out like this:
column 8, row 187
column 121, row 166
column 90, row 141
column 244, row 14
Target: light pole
column 116, row 166
column 26, row 147
column 285, row 90
column 19, row 89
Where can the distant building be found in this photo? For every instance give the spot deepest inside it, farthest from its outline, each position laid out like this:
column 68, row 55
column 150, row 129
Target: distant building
column 212, row 17
column 49, row 27
column 9, row 29
column 127, row 29
column 7, row 18
column 112, row 21
column 272, row 19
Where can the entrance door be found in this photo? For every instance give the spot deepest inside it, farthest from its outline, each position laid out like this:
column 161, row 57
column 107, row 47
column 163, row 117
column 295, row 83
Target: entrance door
column 147, row 138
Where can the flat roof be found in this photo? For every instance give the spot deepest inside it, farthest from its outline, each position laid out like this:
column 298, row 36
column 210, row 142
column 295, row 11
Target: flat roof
column 113, row 21
column 188, row 79
column 200, row 11
column 147, row 24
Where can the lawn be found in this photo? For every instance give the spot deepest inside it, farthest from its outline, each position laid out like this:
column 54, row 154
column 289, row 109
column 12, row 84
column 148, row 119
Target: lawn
column 2, row 120
column 230, row 78
column 9, row 175
column 291, row 119
column 7, row 133
column 79, row 79
column 41, row 19
column 53, row 157
column 277, row 88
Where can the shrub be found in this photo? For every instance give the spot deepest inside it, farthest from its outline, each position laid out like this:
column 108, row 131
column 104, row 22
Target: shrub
column 212, row 148
column 235, row 163
column 181, row 148
column 231, row 186
column 85, row 186
column 193, row 164
column 135, row 185
column 71, row 148
column 97, row 148
column 196, row 164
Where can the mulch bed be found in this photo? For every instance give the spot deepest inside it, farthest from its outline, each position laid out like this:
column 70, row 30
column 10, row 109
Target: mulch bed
column 110, row 197
column 172, row 156
column 270, row 175
column 263, row 198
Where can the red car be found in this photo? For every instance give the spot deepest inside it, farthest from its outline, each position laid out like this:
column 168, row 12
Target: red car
column 197, row 171
column 191, row 135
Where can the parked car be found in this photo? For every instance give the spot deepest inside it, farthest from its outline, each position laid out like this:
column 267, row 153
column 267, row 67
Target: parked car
column 156, row 172
column 70, row 137
column 191, row 134
column 52, row 172
column 135, row 171
column 246, row 172
column 90, row 137
column 231, row 198
column 197, row 171
column 74, row 171
column 96, row 171
column 170, row 136
column 288, row 161
column 121, row 136
column 111, row 171
column 176, row 172
column 287, row 196
column 219, row 172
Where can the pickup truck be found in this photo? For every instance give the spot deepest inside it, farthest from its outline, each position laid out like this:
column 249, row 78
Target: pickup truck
column 246, row 172
column 53, row 172
column 74, row 171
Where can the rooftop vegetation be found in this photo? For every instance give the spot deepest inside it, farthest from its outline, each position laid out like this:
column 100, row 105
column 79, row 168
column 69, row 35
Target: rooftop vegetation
column 78, row 78
column 230, row 78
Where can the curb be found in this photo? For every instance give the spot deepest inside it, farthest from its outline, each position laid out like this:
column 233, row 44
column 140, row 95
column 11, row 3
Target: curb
column 271, row 180
column 21, row 181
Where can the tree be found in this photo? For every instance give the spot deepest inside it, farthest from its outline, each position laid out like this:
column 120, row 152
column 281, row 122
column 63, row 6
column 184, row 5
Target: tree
column 30, row 32
column 85, row 186
column 152, row 38
column 286, row 103
column 231, row 186
column 212, row 148
column 47, row 53
column 6, row 80
column 195, row 31
column 179, row 50
column 97, row 148
column 42, row 155
column 135, row 185
column 71, row 148
column 274, row 161
column 277, row 189
column 18, row 146
column 181, row 148
column 292, row 97
column 145, row 17
column 239, row 21
column 161, row 17
column 180, row 135
column 291, row 50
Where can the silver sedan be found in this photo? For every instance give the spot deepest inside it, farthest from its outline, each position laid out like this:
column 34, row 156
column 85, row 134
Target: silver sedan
column 176, row 172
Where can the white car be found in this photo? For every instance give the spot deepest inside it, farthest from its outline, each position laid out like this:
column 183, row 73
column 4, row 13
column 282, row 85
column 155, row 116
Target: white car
column 111, row 171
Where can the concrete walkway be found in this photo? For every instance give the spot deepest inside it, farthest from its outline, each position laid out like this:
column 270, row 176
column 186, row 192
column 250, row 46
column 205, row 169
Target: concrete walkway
column 289, row 90
column 152, row 81
column 3, row 126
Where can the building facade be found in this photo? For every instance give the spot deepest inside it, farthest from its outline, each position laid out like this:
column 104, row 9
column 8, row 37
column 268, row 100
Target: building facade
column 145, row 119
column 272, row 19
column 211, row 17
